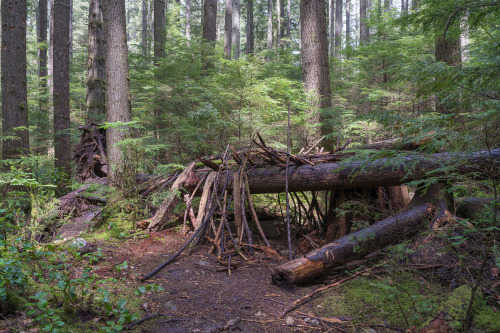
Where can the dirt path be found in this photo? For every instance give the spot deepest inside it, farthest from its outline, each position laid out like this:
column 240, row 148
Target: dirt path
column 200, row 297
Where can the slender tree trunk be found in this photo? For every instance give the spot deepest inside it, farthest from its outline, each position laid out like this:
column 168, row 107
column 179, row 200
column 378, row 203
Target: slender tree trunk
column 347, row 25
column 96, row 67
column 144, row 31
column 404, row 7
column 160, row 21
column 62, row 140
column 235, row 34
column 150, row 25
column 228, row 28
column 278, row 25
column 220, row 15
column 269, row 24
column 448, row 51
column 315, row 67
column 363, row 25
column 338, row 28
column 43, row 110
column 70, row 30
column 250, row 28
column 288, row 19
column 331, row 25
column 188, row 19
column 14, row 84
column 118, row 107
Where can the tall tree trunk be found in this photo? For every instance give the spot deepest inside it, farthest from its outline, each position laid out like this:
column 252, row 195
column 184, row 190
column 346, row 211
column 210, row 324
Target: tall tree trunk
column 338, row 28
column 159, row 37
column 235, row 34
column 118, row 107
column 144, row 31
column 363, row 25
column 210, row 20
column 96, row 68
column 447, row 50
column 404, row 7
column 315, row 68
column 70, row 30
column 250, row 28
column 220, row 15
column 188, row 19
column 278, row 25
column 62, row 140
column 269, row 24
column 331, row 25
column 347, row 25
column 288, row 19
column 228, row 28
column 14, row 84
column 43, row 110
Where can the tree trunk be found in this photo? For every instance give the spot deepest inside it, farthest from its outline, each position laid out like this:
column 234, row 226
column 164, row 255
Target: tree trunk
column 188, row 19
column 42, row 118
column 235, row 34
column 96, row 68
column 118, row 107
column 447, row 50
column 347, row 26
column 353, row 246
column 250, row 28
column 14, row 84
column 70, row 31
column 159, row 30
column 379, row 172
column 269, row 24
column 315, row 70
column 288, row 19
column 62, row 140
column 363, row 25
column 338, row 28
column 228, row 28
column 144, row 31
column 210, row 20
column 278, row 24
column 404, row 7
column 331, row 25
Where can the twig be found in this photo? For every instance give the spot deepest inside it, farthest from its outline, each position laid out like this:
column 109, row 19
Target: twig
column 305, row 298
column 140, row 321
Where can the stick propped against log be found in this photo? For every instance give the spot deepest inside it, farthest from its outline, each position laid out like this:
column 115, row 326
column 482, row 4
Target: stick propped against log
column 353, row 246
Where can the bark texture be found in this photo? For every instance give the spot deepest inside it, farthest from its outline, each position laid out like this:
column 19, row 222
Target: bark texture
column 228, row 28
column 269, row 24
column 188, row 19
column 315, row 67
column 347, row 24
column 144, row 31
column 62, row 140
column 210, row 20
column 235, row 34
column 159, row 33
column 338, row 28
column 14, row 84
column 96, row 68
column 353, row 246
column 447, row 50
column 331, row 26
column 363, row 25
column 118, row 108
column 250, row 28
column 42, row 117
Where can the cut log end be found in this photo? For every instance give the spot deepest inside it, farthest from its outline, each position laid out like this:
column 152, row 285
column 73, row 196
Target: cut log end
column 296, row 271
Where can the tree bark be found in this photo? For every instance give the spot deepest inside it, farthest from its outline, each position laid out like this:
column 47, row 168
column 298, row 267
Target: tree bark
column 228, row 28
column 447, row 50
column 338, row 28
column 363, row 25
column 42, row 118
column 288, row 19
column 62, row 140
column 210, row 20
column 347, row 26
column 118, row 107
column 380, row 172
column 159, row 30
column 315, row 65
column 96, row 68
column 144, row 31
column 353, row 246
column 331, row 25
column 278, row 24
column 188, row 19
column 250, row 28
column 269, row 24
column 235, row 34
column 14, row 84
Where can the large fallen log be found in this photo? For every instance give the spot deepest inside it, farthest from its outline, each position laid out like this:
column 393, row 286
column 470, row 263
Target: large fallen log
column 391, row 171
column 353, row 246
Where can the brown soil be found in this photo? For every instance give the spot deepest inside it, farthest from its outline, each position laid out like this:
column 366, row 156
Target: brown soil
column 200, row 295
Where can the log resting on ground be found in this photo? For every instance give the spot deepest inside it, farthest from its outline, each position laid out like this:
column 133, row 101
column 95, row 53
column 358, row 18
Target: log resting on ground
column 380, row 172
column 353, row 246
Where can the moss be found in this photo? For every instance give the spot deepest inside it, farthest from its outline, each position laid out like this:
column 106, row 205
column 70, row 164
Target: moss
column 397, row 300
column 456, row 305
column 14, row 302
column 487, row 319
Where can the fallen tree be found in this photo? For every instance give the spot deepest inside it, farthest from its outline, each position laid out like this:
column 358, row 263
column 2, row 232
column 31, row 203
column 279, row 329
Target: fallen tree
column 353, row 246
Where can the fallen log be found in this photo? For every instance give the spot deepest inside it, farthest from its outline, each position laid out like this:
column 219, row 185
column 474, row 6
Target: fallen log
column 380, row 172
column 353, row 246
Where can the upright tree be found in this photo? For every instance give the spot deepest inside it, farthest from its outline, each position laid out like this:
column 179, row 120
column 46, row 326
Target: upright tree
column 279, row 12
column 144, row 31
column 228, row 28
column 235, row 34
column 210, row 20
column 288, row 19
column 14, row 84
column 331, row 26
column 96, row 68
column 363, row 24
column 250, row 28
column 160, row 25
column 62, row 140
column 448, row 50
column 42, row 118
column 188, row 19
column 269, row 24
column 315, row 68
column 347, row 25
column 338, row 28
column 118, row 107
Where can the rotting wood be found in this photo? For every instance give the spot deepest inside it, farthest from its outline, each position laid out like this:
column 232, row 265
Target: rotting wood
column 205, row 198
column 353, row 246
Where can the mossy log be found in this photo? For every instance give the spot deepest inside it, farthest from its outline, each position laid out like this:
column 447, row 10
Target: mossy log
column 353, row 246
